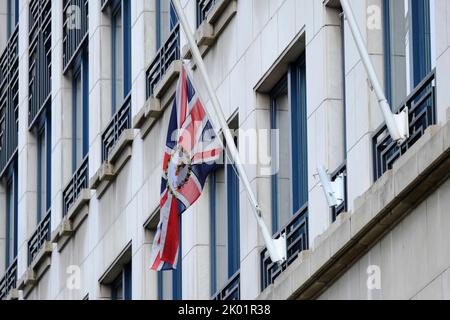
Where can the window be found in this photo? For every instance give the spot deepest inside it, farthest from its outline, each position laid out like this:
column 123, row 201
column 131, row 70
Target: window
column 11, row 215
column 121, row 286
column 121, row 52
column 80, row 113
column 44, row 165
column 341, row 172
column 408, row 46
column 166, row 20
column 169, row 282
column 13, row 15
column 289, row 147
column 225, row 240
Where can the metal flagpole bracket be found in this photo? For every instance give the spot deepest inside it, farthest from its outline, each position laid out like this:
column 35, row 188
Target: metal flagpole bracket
column 281, row 248
column 402, row 122
column 333, row 190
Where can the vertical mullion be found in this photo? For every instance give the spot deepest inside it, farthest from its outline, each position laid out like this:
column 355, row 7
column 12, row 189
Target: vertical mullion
column 233, row 220
column 113, row 59
column 74, row 121
column 85, row 111
column 15, row 209
column 158, row 24
column 213, row 214
column 8, row 226
column 274, row 185
column 39, row 177
column 126, row 29
column 48, row 160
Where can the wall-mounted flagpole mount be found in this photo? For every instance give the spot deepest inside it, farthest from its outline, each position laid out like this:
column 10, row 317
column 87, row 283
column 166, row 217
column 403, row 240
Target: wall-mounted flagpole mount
column 275, row 247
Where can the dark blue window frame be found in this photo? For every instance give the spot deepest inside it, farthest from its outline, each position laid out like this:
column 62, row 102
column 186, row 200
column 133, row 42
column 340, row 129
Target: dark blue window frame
column 123, row 7
column 420, row 44
column 233, row 232
column 81, row 70
column 11, row 187
column 295, row 84
column 123, row 282
column 10, row 27
column 44, row 130
column 172, row 22
column 233, row 221
column 177, row 292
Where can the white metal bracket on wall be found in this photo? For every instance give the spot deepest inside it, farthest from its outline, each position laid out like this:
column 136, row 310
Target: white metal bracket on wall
column 333, row 190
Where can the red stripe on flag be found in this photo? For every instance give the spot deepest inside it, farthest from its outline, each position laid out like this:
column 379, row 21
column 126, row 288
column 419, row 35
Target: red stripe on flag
column 157, row 262
column 206, row 155
column 190, row 191
column 188, row 138
column 166, row 161
column 170, row 249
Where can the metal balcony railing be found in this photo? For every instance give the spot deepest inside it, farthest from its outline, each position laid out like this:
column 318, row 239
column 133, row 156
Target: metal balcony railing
column 75, row 29
column 9, row 280
column 168, row 53
column 422, row 114
column 231, row 291
column 296, row 232
column 336, row 211
column 203, row 8
column 119, row 123
column 40, row 236
column 40, row 58
column 9, row 101
column 80, row 181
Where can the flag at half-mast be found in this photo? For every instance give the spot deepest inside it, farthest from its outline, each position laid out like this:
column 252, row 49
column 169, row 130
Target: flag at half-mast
column 191, row 151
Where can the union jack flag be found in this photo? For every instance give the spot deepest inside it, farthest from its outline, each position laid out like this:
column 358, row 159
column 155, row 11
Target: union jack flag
column 191, row 151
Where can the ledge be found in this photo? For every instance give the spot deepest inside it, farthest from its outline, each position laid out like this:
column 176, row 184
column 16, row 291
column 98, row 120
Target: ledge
column 13, row 295
column 73, row 220
column 148, row 116
column 110, row 169
column 167, row 80
column 212, row 27
column 162, row 98
column 153, row 220
column 412, row 179
column 37, row 269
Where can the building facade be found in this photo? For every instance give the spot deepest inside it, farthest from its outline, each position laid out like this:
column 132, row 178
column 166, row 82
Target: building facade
column 86, row 89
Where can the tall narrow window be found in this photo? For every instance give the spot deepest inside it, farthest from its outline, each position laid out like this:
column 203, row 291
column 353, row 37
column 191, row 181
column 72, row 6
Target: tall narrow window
column 166, row 20
column 13, row 15
column 281, row 156
column 121, row 52
column 408, row 54
column 80, row 134
column 232, row 184
column 121, row 287
column 340, row 174
column 11, row 216
column 289, row 146
column 225, row 239
column 44, row 166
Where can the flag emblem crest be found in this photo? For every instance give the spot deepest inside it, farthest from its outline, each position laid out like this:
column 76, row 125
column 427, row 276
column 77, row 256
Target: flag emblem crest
column 191, row 151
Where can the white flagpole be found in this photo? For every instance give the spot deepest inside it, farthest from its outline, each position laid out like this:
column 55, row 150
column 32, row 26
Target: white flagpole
column 397, row 124
column 276, row 248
